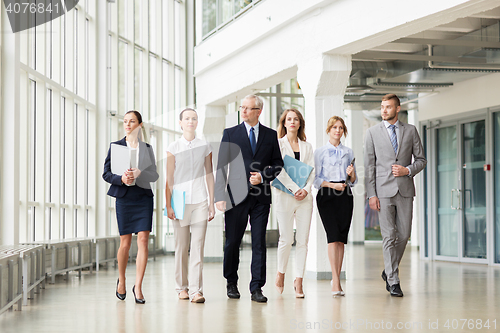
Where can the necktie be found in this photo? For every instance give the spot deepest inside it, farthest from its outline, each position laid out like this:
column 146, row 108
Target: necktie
column 253, row 143
column 394, row 138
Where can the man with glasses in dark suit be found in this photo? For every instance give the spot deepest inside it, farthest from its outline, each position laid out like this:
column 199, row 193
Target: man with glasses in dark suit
column 249, row 160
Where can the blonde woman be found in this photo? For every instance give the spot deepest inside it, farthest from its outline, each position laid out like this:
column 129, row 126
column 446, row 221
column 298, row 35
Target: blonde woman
column 298, row 208
column 335, row 173
column 189, row 168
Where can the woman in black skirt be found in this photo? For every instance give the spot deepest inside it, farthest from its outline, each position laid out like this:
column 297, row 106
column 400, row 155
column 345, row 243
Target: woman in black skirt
column 335, row 174
column 134, row 201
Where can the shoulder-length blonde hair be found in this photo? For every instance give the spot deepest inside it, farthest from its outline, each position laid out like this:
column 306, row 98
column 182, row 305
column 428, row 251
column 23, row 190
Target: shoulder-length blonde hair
column 332, row 122
column 301, row 134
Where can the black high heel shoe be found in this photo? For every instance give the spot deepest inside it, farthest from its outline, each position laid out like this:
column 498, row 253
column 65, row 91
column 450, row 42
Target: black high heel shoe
column 138, row 301
column 121, row 297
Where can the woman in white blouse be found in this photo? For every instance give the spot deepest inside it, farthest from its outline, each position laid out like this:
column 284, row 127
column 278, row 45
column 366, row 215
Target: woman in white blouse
column 189, row 168
column 335, row 175
column 298, row 207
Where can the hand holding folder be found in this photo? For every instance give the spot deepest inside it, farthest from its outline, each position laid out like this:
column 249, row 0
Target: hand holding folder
column 178, row 203
column 298, row 171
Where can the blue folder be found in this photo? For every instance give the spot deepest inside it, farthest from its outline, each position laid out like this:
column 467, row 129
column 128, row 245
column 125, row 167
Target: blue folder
column 298, row 171
column 178, row 202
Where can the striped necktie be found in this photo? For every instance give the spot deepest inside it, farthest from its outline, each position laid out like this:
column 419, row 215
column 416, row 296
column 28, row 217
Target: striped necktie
column 394, row 138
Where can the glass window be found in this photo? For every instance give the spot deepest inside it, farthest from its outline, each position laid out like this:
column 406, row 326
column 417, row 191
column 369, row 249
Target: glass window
column 178, row 33
column 138, row 83
column 122, row 10
column 152, row 90
column 153, row 26
column 165, row 28
column 75, row 50
column 138, row 21
column 122, row 75
column 209, row 16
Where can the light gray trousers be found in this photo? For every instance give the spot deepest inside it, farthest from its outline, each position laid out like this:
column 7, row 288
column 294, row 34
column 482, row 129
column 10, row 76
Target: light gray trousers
column 395, row 224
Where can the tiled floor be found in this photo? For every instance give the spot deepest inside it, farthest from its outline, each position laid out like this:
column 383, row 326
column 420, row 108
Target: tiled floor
column 436, row 293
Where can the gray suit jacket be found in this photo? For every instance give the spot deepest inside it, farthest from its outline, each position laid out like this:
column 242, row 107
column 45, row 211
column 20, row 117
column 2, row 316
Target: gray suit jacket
column 379, row 158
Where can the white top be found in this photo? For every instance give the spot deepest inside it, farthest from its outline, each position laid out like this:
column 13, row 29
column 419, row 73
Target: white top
column 136, row 152
column 189, row 173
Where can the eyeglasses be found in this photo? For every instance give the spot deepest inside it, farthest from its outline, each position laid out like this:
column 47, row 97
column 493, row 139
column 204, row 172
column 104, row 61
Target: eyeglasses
column 243, row 108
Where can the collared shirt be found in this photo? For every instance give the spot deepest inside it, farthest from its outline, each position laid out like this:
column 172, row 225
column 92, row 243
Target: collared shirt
column 189, row 173
column 389, row 131
column 330, row 163
column 255, row 130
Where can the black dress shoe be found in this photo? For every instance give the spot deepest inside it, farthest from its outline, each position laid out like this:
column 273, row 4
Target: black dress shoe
column 232, row 290
column 121, row 297
column 396, row 290
column 137, row 300
column 384, row 277
column 258, row 297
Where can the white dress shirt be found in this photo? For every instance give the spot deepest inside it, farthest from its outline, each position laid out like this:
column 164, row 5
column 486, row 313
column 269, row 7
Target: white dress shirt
column 189, row 173
column 255, row 130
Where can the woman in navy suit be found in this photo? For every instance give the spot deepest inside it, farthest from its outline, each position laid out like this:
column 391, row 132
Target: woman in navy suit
column 134, row 202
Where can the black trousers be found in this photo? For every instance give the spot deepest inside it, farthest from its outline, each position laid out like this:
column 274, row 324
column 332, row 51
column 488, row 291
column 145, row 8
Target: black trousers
column 236, row 220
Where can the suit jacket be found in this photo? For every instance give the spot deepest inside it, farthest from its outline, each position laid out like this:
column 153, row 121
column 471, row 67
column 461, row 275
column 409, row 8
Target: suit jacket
column 306, row 156
column 147, row 165
column 236, row 161
column 380, row 156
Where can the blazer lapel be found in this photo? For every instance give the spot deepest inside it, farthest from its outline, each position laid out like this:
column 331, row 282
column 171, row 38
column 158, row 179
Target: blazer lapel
column 401, row 134
column 386, row 134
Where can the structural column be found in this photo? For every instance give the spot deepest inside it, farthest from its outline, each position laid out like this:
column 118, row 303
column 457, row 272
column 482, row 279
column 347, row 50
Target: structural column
column 354, row 140
column 102, row 93
column 9, row 136
column 214, row 123
column 413, row 119
column 323, row 79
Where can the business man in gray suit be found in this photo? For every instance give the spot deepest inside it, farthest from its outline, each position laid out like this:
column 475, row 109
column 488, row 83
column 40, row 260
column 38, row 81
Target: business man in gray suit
column 389, row 172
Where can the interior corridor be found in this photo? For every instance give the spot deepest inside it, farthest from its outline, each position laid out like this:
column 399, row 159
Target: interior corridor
column 433, row 291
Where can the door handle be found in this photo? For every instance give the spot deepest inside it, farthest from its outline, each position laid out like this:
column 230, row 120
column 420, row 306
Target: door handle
column 458, row 196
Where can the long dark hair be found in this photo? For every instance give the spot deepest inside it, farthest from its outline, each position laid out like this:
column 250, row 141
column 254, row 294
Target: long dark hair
column 137, row 115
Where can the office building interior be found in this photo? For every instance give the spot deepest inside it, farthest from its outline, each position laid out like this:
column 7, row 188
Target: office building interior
column 67, row 83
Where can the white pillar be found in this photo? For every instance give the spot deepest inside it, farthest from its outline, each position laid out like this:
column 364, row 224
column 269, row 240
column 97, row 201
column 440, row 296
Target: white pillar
column 102, row 93
column 9, row 136
column 323, row 80
column 354, row 140
column 213, row 118
column 413, row 119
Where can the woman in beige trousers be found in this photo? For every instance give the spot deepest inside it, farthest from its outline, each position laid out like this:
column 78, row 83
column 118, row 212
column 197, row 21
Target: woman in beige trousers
column 189, row 170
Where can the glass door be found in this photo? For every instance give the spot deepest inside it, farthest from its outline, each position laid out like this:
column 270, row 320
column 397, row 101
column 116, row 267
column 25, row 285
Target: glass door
column 461, row 192
column 448, row 218
column 474, row 189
